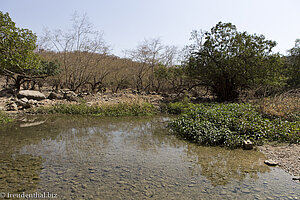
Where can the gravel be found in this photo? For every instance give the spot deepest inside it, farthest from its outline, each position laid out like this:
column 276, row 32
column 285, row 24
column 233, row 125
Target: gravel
column 286, row 155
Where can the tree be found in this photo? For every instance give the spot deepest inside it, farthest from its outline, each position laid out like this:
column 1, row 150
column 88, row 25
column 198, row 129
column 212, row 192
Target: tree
column 170, row 79
column 294, row 65
column 228, row 61
column 80, row 52
column 149, row 55
column 17, row 57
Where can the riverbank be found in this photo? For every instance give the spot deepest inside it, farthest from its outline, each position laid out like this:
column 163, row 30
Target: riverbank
column 67, row 102
column 129, row 104
column 286, row 155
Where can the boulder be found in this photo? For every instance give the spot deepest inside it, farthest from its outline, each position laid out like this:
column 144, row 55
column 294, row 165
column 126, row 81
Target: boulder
column 70, row 96
column 54, row 95
column 23, row 103
column 247, row 145
column 31, row 94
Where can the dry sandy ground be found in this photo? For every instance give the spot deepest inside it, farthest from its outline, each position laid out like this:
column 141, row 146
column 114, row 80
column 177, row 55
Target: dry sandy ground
column 286, row 155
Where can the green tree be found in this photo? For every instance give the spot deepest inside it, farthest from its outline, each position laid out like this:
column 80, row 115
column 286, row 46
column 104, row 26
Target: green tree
column 17, row 45
column 228, row 61
column 294, row 65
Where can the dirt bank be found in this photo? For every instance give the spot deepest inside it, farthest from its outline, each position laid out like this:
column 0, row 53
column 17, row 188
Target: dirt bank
column 286, row 155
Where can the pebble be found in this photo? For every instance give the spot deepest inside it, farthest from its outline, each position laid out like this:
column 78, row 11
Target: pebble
column 106, row 169
column 121, row 182
column 223, row 192
column 245, row 190
column 73, row 190
column 271, row 162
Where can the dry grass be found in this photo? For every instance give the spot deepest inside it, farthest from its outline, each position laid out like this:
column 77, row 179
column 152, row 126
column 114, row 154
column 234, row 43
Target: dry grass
column 285, row 106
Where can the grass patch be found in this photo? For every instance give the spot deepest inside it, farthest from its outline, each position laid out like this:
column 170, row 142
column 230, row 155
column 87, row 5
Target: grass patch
column 4, row 118
column 230, row 124
column 106, row 110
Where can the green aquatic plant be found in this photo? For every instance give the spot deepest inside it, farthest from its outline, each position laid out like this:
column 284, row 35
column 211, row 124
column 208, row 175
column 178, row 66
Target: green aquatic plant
column 230, row 124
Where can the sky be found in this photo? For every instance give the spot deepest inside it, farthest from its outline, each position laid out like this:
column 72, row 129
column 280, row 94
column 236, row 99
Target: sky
column 126, row 23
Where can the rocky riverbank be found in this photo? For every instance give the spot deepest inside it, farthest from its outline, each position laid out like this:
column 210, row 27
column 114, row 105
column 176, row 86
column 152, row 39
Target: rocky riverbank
column 27, row 99
column 286, row 155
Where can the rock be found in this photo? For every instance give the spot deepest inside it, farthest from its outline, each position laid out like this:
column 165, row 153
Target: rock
column 247, row 145
column 24, row 99
column 32, row 124
column 32, row 102
column 271, row 162
column 11, row 106
column 31, row 94
column 246, row 190
column 54, row 95
column 121, row 182
column 297, row 178
column 70, row 96
column 23, row 103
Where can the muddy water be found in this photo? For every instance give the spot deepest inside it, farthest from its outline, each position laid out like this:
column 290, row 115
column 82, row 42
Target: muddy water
column 128, row 158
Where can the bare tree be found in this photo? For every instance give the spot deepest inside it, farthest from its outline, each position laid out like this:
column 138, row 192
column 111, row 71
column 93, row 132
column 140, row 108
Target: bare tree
column 149, row 55
column 78, row 51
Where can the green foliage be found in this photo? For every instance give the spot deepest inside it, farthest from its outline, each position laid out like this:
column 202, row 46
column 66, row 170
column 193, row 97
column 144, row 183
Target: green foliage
column 4, row 118
column 169, row 78
column 294, row 65
column 47, row 68
column 229, row 61
column 110, row 110
column 17, row 57
column 230, row 124
column 177, row 107
column 17, row 47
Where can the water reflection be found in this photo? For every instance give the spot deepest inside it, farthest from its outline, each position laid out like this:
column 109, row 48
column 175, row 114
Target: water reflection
column 130, row 158
column 221, row 166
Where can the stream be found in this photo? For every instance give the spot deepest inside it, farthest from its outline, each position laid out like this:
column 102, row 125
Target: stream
column 75, row 157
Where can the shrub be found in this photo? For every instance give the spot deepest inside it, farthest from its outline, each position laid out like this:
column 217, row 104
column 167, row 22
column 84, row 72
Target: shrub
column 230, row 124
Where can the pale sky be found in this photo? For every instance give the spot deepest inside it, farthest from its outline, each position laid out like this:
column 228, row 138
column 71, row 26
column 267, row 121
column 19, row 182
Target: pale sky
column 125, row 23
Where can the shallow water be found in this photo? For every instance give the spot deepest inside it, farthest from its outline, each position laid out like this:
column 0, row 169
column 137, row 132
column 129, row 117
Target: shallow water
column 129, row 158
